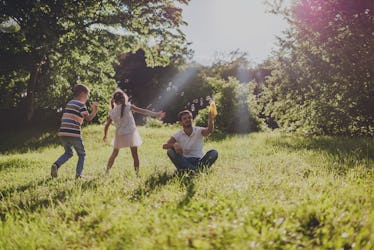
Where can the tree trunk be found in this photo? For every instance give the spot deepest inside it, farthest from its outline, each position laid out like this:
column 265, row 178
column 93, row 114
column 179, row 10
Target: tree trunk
column 30, row 99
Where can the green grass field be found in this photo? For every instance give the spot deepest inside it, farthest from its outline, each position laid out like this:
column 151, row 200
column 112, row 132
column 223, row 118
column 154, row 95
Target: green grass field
column 266, row 191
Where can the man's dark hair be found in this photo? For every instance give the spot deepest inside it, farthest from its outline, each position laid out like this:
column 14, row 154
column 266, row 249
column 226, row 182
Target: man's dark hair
column 79, row 89
column 182, row 113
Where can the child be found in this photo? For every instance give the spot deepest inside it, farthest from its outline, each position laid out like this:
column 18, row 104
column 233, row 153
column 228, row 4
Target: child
column 70, row 130
column 126, row 134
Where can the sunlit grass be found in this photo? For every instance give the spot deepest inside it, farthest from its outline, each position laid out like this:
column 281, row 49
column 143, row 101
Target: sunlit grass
column 266, row 190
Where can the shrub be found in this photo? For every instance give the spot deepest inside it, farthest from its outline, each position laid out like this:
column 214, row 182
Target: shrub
column 234, row 112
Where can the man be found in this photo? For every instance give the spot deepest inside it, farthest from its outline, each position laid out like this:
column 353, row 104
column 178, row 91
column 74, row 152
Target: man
column 185, row 147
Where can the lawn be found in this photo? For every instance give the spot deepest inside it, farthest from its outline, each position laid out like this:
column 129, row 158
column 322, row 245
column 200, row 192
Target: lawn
column 266, row 191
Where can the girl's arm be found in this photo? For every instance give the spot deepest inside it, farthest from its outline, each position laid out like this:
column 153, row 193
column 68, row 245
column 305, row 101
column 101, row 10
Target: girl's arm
column 147, row 112
column 106, row 127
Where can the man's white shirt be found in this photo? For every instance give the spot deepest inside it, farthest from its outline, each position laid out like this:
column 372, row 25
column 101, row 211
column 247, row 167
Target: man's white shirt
column 193, row 144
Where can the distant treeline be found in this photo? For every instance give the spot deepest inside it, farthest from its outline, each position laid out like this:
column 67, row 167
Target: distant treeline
column 320, row 81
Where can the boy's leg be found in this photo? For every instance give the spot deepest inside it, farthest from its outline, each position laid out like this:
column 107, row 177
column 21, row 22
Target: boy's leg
column 179, row 161
column 79, row 148
column 66, row 143
column 209, row 158
column 111, row 160
column 135, row 157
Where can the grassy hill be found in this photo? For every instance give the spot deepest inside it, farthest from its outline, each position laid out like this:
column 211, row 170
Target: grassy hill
column 266, row 191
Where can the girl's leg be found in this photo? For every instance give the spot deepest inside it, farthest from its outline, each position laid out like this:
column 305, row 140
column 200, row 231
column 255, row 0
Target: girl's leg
column 111, row 160
column 134, row 153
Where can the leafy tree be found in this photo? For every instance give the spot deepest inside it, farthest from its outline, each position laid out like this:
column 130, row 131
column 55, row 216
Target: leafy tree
column 170, row 88
column 321, row 80
column 140, row 81
column 234, row 64
column 235, row 114
column 47, row 46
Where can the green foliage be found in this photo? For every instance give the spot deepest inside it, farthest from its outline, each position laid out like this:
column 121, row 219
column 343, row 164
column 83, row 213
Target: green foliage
column 57, row 44
column 321, row 80
column 153, row 123
column 235, row 64
column 201, row 119
column 232, row 100
column 266, row 191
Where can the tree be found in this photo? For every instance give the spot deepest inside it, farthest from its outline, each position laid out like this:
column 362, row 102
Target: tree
column 234, row 64
column 321, row 80
column 47, row 46
column 235, row 114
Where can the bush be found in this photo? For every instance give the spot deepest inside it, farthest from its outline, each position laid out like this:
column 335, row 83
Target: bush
column 201, row 119
column 234, row 112
column 153, row 123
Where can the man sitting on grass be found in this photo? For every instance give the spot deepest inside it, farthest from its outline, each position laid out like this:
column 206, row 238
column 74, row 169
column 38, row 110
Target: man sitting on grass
column 185, row 147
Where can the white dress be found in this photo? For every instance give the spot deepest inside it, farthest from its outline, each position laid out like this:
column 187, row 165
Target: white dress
column 126, row 133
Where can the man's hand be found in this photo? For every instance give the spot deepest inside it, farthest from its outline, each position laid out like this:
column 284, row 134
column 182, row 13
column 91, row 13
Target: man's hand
column 176, row 147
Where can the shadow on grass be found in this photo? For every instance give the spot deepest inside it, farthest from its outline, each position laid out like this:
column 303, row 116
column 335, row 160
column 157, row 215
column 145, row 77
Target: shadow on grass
column 188, row 182
column 18, row 163
column 154, row 182
column 21, row 141
column 340, row 150
column 10, row 191
column 34, row 204
column 151, row 184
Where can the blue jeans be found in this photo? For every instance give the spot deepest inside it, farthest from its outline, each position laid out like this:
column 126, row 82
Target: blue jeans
column 192, row 163
column 77, row 144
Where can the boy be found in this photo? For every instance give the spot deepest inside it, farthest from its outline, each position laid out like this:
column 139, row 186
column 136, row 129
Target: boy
column 70, row 130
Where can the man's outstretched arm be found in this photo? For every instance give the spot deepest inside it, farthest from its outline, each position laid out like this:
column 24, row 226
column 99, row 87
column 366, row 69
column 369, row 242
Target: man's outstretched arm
column 207, row 131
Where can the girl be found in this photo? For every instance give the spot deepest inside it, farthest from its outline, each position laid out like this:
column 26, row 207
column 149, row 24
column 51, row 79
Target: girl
column 126, row 134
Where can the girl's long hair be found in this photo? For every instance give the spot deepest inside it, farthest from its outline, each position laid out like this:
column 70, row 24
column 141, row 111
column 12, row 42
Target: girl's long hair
column 120, row 97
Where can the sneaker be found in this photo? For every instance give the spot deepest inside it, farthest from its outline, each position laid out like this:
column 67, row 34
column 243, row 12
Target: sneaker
column 54, row 170
column 107, row 171
column 136, row 171
column 83, row 177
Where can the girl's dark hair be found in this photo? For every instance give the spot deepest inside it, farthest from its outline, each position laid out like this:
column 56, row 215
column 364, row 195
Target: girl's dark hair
column 119, row 96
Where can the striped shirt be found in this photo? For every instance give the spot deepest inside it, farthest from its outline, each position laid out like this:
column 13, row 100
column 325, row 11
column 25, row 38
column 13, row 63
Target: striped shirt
column 72, row 119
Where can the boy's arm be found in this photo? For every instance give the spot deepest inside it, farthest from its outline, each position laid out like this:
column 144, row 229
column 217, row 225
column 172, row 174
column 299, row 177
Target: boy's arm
column 90, row 116
column 207, row 131
column 147, row 112
column 106, row 127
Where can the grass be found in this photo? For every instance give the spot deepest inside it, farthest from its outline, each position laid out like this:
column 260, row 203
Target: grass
column 266, row 191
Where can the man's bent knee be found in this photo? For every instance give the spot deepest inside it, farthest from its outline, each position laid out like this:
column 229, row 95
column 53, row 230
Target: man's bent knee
column 213, row 154
column 171, row 153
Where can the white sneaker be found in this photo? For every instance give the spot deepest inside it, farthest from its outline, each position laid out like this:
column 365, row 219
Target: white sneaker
column 54, row 170
column 83, row 177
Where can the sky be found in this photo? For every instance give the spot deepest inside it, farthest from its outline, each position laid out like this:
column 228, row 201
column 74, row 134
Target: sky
column 221, row 26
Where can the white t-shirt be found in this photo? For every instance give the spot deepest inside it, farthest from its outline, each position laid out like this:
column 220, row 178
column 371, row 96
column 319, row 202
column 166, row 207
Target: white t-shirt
column 126, row 123
column 192, row 145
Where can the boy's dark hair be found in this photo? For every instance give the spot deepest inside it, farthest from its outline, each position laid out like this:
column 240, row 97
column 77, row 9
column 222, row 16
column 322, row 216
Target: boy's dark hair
column 182, row 113
column 79, row 89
